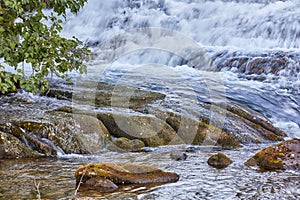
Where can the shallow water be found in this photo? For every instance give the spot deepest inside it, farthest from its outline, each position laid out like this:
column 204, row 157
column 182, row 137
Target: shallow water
column 197, row 179
column 225, row 29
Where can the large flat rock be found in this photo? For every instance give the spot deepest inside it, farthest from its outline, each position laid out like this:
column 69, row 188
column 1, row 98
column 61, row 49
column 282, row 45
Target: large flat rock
column 108, row 176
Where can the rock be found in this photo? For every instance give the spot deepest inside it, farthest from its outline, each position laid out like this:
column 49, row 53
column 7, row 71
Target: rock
column 219, row 161
column 111, row 174
column 240, row 126
column 68, row 133
column 12, row 147
column 28, row 140
column 198, row 132
column 263, row 126
column 101, row 94
column 178, row 156
column 100, row 183
column 126, row 144
column 257, row 65
column 285, row 155
column 151, row 130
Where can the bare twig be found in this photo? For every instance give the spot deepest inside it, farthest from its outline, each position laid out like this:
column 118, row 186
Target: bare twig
column 80, row 181
column 37, row 187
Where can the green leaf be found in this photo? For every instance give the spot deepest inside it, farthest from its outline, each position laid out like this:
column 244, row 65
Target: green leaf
column 41, row 46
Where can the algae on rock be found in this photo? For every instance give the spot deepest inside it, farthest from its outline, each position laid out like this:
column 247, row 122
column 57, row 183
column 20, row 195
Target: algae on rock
column 285, row 155
column 113, row 175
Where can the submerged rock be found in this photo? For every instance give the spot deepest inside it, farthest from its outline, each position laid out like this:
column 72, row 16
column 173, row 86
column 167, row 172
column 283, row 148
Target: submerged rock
column 101, row 94
column 108, row 176
column 219, row 161
column 285, row 155
column 178, row 156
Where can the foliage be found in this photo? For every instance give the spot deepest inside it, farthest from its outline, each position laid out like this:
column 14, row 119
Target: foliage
column 28, row 35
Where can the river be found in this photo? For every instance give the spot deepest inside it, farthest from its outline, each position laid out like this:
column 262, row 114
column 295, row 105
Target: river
column 192, row 51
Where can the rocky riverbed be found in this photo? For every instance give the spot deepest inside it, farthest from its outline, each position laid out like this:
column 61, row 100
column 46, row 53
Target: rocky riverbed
column 89, row 121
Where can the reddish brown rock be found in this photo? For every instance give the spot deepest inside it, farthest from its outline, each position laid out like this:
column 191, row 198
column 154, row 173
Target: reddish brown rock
column 219, row 161
column 109, row 175
column 285, row 155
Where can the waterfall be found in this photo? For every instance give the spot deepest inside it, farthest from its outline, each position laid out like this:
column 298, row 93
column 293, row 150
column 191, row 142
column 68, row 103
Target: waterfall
column 246, row 42
column 247, row 24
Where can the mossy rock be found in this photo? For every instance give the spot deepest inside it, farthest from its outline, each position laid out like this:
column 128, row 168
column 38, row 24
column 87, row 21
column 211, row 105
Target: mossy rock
column 285, row 155
column 29, row 140
column 73, row 133
column 198, row 132
column 120, row 174
column 12, row 147
column 151, row 130
column 125, row 144
column 269, row 132
column 219, row 161
column 101, row 94
column 69, row 133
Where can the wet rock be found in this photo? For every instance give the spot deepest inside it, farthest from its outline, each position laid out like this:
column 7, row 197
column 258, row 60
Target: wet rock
column 102, row 184
column 111, row 174
column 28, row 140
column 239, row 126
column 198, row 132
column 269, row 132
column 151, row 130
column 257, row 65
column 219, row 161
column 178, row 156
column 100, row 94
column 127, row 144
column 285, row 155
column 12, row 147
column 63, row 132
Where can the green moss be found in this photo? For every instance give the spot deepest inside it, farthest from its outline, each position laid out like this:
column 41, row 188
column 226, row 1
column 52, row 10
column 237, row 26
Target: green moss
column 219, row 161
column 277, row 157
column 121, row 174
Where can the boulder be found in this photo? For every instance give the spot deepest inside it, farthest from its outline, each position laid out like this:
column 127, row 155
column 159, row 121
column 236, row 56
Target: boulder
column 111, row 175
column 197, row 132
column 64, row 132
column 219, row 161
column 101, row 94
column 149, row 129
column 285, row 155
column 239, row 126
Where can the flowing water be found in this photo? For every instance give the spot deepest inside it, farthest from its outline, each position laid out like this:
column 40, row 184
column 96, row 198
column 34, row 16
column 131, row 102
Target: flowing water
column 180, row 48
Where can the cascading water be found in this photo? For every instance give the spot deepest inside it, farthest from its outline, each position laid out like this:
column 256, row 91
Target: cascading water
column 261, row 37
column 240, row 51
column 248, row 24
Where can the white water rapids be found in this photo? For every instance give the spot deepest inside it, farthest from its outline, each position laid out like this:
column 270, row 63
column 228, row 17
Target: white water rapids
column 240, row 51
column 221, row 28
